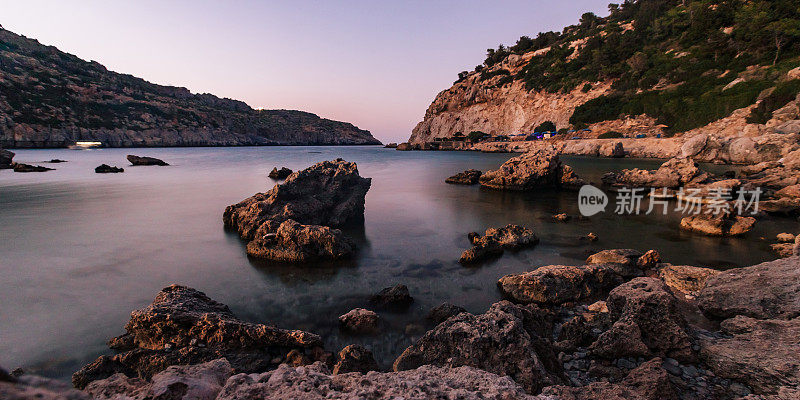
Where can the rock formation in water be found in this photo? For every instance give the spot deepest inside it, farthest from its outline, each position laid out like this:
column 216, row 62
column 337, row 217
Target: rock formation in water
column 495, row 241
column 282, row 173
column 532, row 171
column 106, row 169
column 53, row 99
column 20, row 167
column 468, row 177
column 136, row 160
column 327, row 194
column 724, row 224
column 6, row 159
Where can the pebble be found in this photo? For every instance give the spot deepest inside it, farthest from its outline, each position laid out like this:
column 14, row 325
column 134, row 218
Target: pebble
column 672, row 366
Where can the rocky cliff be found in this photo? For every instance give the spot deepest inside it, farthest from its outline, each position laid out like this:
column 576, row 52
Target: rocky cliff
column 49, row 98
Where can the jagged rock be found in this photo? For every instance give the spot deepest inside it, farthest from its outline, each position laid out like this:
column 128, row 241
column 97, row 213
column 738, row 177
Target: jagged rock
column 591, row 236
column 648, row 381
column 556, row 284
column 355, row 358
column 184, row 326
column 764, row 354
column 468, row 177
column 495, row 240
column 427, row 382
column 298, row 243
column 444, row 311
column 506, row 340
column 686, row 279
column 531, row 171
column 359, row 320
column 647, row 322
column 724, row 224
column 766, row 291
column 6, row 159
column 783, row 249
column 19, row 167
column 32, row 387
column 185, row 382
column 648, row 260
column 282, row 173
column 136, row 160
column 563, row 217
column 329, row 193
column 395, row 298
column 671, row 174
column 105, row 169
column 391, row 145
column 623, row 261
column 785, row 238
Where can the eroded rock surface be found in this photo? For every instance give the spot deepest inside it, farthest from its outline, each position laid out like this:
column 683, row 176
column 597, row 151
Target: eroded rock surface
column 671, row 174
column 686, row 278
column 19, row 167
column 556, row 284
column 359, row 320
column 395, row 298
column 468, row 177
column 107, row 169
column 355, row 358
column 444, row 311
column 31, row 387
column 296, row 243
column 727, row 224
column 136, row 160
column 532, row 171
column 496, row 240
column 282, row 173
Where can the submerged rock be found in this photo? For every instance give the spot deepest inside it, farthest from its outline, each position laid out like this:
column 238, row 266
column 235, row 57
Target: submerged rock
column 395, row 298
column 18, row 167
column 105, row 169
column 298, row 243
column 495, row 240
column 532, row 171
column 6, row 159
column 444, row 311
column 282, row 173
column 355, row 358
column 136, row 160
column 506, row 340
column 31, row 387
column 725, row 224
column 359, row 320
column 556, row 284
column 184, row 326
column 468, row 177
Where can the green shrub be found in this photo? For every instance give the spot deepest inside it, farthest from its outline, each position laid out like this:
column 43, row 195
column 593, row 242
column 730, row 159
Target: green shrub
column 546, row 126
column 586, row 88
column 475, row 136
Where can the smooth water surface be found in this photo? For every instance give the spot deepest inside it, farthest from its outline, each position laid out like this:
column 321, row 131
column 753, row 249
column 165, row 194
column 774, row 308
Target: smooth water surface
column 80, row 250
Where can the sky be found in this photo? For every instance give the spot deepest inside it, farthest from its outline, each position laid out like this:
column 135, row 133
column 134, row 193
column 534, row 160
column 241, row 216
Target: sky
column 376, row 64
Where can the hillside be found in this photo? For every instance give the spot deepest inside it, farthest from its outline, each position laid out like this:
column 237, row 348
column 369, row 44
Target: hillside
column 651, row 67
column 49, row 98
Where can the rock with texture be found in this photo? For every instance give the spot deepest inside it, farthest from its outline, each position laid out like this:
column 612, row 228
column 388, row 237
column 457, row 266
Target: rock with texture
column 19, row 167
column 648, row 381
column 556, row 284
column 107, row 169
column 184, row 326
column 444, row 311
column 506, row 340
column 395, row 298
column 495, row 240
column 296, row 243
column 359, row 320
column 282, row 173
column 136, row 160
column 685, row 278
column 355, row 358
column 766, row 291
column 728, row 224
column 674, row 173
column 532, row 171
column 623, row 261
column 6, row 159
column 32, row 387
column 468, row 177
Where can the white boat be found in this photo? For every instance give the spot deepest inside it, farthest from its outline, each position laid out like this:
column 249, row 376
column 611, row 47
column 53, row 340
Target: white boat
column 82, row 145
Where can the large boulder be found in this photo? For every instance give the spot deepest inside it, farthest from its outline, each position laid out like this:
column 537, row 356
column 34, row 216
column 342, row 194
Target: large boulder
column 329, row 193
column 671, row 174
column 648, row 322
column 686, row 279
column 359, row 320
column 136, row 160
column 6, row 159
column 623, row 261
column 765, row 291
column 296, row 243
column 495, row 240
column 556, row 284
column 506, row 340
column 184, row 326
column 427, row 382
column 724, row 224
column 764, row 354
column 468, row 177
column 531, row 171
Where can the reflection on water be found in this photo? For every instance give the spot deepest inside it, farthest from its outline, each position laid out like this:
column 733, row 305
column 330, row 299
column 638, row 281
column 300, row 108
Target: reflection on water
column 81, row 250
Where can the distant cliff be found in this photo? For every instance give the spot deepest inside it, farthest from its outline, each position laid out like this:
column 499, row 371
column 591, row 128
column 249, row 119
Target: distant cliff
column 49, row 98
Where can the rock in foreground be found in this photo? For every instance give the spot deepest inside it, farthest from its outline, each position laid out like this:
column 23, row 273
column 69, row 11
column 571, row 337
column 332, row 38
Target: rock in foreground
column 106, row 169
column 532, row 171
column 495, row 240
column 721, row 225
column 282, row 173
column 183, row 326
column 295, row 243
column 136, row 160
column 468, row 177
column 556, row 284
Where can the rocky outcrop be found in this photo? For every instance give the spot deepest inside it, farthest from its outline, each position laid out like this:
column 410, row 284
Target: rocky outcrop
column 674, row 173
column 444, row 311
column 184, row 326
column 355, row 358
column 506, row 340
column 556, row 284
column 686, row 279
column 724, row 224
column 359, row 320
column 395, row 298
column 625, row 262
column 532, row 171
column 120, row 110
column 136, row 160
column 282, row 173
column 648, row 381
column 6, row 159
column 19, row 167
column 107, row 169
column 496, row 240
column 468, row 177
column 295, row 243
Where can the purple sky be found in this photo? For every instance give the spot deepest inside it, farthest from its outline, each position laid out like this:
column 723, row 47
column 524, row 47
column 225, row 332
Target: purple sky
column 377, row 64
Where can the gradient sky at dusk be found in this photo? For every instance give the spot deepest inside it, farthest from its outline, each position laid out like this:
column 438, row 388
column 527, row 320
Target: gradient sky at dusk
column 377, row 64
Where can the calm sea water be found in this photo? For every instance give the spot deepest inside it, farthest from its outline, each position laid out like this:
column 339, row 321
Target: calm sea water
column 80, row 250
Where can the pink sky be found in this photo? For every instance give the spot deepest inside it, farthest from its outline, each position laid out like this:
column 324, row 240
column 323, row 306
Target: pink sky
column 377, row 64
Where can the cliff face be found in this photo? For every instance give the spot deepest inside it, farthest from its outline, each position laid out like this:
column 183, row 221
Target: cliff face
column 49, row 98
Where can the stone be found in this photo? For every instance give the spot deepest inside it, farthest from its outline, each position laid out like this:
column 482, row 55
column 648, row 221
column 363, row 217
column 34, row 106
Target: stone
column 648, row 322
column 685, row 278
column 355, row 358
column 329, row 193
column 785, row 237
column 557, row 284
column 673, row 173
column 404, row 147
column 764, row 354
column 296, row 243
column 722, row 225
column 496, row 240
column 136, row 160
column 531, row 171
column 783, row 249
column 427, row 382
column 468, row 177
column 32, row 387
column 6, row 159
column 186, row 382
column 391, row 145
column 359, row 320
column 57, row 161
column 648, row 260
column 184, row 326
column 282, row 173
column 19, row 167
column 444, row 311
column 506, row 340
column 591, row 236
column 563, row 217
column 105, row 169
column 766, row 291
column 623, row 261
column 694, row 145
column 618, row 151
column 395, row 298
column 648, row 381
